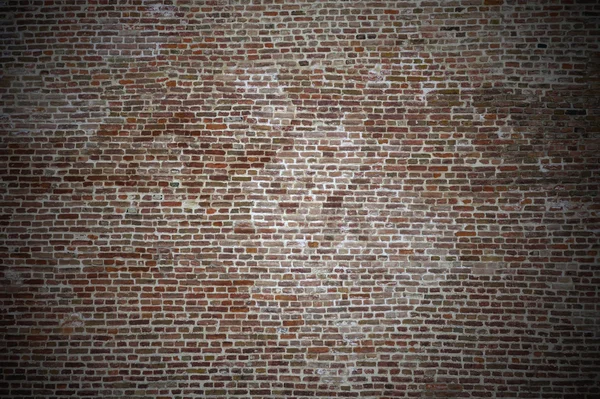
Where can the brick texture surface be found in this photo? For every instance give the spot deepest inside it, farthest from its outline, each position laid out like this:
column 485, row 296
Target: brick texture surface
column 298, row 199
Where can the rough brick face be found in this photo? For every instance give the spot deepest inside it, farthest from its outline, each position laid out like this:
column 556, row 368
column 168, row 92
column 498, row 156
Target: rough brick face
column 297, row 199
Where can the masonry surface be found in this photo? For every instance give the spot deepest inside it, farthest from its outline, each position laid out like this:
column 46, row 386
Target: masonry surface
column 297, row 199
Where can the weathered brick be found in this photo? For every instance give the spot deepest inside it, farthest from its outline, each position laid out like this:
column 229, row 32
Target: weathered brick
column 277, row 199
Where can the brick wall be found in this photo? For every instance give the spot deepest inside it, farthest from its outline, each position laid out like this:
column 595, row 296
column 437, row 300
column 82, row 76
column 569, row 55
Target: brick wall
column 293, row 199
